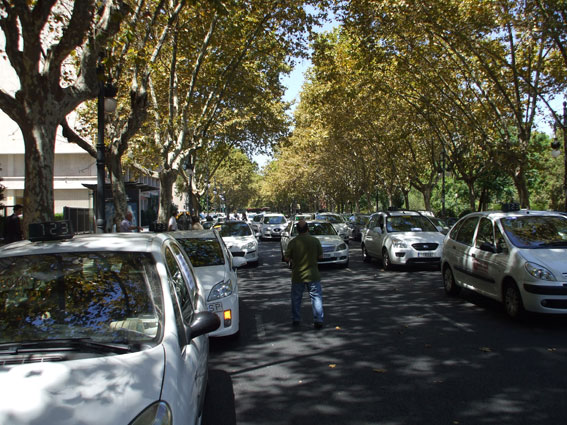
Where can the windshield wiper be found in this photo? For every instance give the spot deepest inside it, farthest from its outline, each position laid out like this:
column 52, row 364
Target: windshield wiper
column 553, row 243
column 67, row 344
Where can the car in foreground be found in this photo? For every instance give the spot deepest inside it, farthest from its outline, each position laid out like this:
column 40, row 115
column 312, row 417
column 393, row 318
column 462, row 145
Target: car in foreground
column 272, row 226
column 240, row 240
column 400, row 238
column 338, row 223
column 215, row 268
column 517, row 257
column 106, row 328
column 335, row 250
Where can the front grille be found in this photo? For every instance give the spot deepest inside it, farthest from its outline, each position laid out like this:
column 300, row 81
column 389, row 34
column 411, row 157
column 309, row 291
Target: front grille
column 425, row 246
column 328, row 248
column 237, row 254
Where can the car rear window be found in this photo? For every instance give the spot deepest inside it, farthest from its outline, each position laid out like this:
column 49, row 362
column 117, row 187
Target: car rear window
column 103, row 296
column 203, row 251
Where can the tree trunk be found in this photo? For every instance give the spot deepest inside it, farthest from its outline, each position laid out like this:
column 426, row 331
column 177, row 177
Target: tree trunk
column 118, row 188
column 167, row 178
column 39, row 139
column 522, row 187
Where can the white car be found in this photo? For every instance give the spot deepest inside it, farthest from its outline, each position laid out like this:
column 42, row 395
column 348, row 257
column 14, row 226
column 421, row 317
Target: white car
column 215, row 268
column 516, row 257
column 338, row 223
column 272, row 226
column 240, row 240
column 106, row 328
column 335, row 250
column 401, row 238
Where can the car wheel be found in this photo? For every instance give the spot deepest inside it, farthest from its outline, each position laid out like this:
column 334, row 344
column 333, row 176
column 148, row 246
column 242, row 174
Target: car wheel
column 365, row 256
column 449, row 284
column 345, row 265
column 283, row 258
column 386, row 261
column 513, row 301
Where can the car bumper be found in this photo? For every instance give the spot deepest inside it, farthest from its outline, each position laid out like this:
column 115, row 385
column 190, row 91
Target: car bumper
column 224, row 307
column 250, row 256
column 272, row 235
column 545, row 298
column 410, row 256
column 337, row 257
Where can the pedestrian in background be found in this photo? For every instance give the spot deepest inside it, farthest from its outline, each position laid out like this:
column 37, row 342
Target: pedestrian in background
column 126, row 225
column 304, row 251
column 13, row 226
column 196, row 223
column 172, row 224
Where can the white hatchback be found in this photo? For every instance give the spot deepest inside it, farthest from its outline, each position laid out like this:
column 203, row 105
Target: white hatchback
column 215, row 268
column 272, row 226
column 516, row 257
column 107, row 328
column 239, row 239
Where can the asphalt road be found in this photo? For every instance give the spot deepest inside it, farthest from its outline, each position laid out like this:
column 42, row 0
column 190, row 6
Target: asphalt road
column 395, row 350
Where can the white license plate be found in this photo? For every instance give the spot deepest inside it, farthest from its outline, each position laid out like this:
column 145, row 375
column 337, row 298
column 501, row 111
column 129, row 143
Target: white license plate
column 215, row 307
column 425, row 254
column 327, row 255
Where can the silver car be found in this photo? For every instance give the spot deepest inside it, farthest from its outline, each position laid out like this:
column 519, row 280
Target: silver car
column 338, row 223
column 272, row 226
column 401, row 238
column 335, row 250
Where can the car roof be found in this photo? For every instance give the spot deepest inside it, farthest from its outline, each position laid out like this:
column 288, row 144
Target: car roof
column 195, row 234
column 125, row 242
column 519, row 213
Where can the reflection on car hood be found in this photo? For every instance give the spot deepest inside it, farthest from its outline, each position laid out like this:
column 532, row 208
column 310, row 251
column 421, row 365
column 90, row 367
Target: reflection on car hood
column 237, row 241
column 107, row 389
column 209, row 276
column 419, row 237
column 553, row 259
column 329, row 239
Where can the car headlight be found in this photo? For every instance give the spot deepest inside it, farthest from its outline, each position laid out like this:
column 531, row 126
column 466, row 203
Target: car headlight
column 156, row 414
column 220, row 290
column 539, row 272
column 341, row 247
column 398, row 243
column 250, row 245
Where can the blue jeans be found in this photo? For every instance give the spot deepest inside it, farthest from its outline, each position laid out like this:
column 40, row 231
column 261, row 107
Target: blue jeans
column 316, row 296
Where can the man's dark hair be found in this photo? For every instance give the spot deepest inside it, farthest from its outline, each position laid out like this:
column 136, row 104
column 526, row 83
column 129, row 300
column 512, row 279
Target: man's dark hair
column 302, row 226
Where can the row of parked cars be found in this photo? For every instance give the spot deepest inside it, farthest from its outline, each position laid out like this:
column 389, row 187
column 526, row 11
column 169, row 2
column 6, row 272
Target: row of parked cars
column 515, row 256
column 115, row 323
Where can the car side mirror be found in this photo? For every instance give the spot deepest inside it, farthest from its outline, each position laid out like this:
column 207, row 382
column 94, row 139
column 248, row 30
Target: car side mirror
column 203, row 323
column 488, row 247
column 238, row 262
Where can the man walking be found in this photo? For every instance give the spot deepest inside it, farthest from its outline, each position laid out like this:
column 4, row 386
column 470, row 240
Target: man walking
column 304, row 251
column 13, row 227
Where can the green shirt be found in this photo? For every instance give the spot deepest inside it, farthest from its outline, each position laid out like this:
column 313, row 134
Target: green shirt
column 304, row 250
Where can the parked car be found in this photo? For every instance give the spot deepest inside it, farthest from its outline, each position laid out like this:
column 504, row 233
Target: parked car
column 518, row 258
column 357, row 222
column 441, row 224
column 338, row 223
column 240, row 240
column 401, row 238
column 105, row 328
column 335, row 250
column 272, row 225
column 215, row 268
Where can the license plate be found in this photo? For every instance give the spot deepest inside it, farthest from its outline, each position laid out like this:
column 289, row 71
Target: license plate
column 215, row 307
column 327, row 255
column 425, row 254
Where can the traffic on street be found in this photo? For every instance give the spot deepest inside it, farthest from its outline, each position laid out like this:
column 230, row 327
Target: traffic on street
column 395, row 349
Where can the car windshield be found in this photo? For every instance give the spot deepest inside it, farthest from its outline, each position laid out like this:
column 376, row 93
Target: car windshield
column 360, row 219
column 330, row 218
column 536, row 231
column 409, row 223
column 317, row 229
column 235, row 229
column 106, row 297
column 278, row 219
column 203, row 251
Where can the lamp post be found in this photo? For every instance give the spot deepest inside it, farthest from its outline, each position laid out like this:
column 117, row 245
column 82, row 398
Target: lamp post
column 555, row 152
column 106, row 103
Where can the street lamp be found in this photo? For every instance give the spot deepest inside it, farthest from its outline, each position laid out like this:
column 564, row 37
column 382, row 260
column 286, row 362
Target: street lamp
column 555, row 149
column 106, row 103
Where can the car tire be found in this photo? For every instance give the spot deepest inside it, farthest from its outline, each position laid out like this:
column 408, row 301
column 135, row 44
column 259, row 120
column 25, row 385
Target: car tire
column 386, row 261
column 512, row 299
column 365, row 256
column 345, row 265
column 283, row 258
column 449, row 284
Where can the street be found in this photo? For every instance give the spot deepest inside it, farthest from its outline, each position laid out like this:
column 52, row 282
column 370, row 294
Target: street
column 394, row 350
